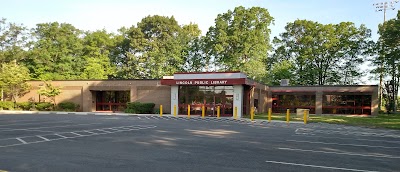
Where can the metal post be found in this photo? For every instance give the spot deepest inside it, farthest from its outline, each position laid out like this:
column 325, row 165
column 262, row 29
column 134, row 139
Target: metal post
column 188, row 112
column 202, row 111
column 218, row 112
column 174, row 110
column 235, row 114
column 269, row 114
column 252, row 113
column 287, row 115
column 161, row 111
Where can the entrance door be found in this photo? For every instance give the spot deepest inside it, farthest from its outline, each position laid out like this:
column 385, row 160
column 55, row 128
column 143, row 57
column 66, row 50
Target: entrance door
column 225, row 102
column 111, row 100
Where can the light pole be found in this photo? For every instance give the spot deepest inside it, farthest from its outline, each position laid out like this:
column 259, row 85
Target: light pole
column 383, row 6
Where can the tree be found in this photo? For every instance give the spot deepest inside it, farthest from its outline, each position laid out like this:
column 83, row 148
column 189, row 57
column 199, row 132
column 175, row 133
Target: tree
column 279, row 71
column 156, row 47
column 193, row 51
column 13, row 40
column 13, row 79
column 96, row 51
column 56, row 53
column 240, row 40
column 388, row 48
column 49, row 91
column 323, row 54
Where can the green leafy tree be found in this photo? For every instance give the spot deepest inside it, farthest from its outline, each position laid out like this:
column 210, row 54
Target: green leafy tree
column 156, row 47
column 280, row 70
column 13, row 41
column 389, row 56
column 195, row 59
column 323, row 54
column 96, row 51
column 50, row 91
column 13, row 79
column 240, row 40
column 56, row 53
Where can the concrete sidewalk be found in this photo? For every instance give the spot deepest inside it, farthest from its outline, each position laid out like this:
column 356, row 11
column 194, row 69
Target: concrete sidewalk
column 2, row 112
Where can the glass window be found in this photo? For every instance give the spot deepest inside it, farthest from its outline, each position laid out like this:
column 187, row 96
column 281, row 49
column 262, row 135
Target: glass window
column 346, row 104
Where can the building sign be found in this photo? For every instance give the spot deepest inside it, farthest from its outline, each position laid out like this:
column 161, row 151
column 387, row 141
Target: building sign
column 206, row 82
column 238, row 81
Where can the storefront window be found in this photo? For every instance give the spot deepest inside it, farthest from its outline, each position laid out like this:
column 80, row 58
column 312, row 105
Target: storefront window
column 282, row 102
column 346, row 104
column 208, row 96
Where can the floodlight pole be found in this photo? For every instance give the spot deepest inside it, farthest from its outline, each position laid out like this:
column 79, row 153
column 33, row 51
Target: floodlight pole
column 383, row 6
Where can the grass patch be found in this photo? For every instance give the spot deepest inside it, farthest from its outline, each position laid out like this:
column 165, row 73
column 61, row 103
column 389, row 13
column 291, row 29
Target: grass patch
column 390, row 121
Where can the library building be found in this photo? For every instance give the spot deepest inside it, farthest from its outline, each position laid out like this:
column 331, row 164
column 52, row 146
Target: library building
column 226, row 90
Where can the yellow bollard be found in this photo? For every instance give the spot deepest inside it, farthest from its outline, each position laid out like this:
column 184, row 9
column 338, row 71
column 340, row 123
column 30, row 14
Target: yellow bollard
column 174, row 110
column 188, row 111
column 252, row 114
column 218, row 113
column 287, row 115
column 202, row 112
column 235, row 114
column 305, row 116
column 269, row 114
column 160, row 110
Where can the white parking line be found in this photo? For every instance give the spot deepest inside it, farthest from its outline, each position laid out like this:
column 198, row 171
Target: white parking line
column 318, row 166
column 60, row 135
column 356, row 133
column 343, row 153
column 43, row 138
column 342, row 144
column 77, row 136
column 34, row 123
column 308, row 135
column 22, row 141
column 60, row 126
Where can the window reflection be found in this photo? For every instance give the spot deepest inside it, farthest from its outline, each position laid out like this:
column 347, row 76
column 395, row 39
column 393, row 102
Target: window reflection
column 208, row 96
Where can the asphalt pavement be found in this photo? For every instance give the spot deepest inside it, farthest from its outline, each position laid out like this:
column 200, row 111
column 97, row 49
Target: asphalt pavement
column 77, row 142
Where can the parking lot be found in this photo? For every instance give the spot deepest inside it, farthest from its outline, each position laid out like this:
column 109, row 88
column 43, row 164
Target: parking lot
column 69, row 142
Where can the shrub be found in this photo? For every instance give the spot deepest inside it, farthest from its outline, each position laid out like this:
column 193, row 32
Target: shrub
column 141, row 108
column 129, row 111
column 67, row 106
column 7, row 105
column 44, row 106
column 26, row 105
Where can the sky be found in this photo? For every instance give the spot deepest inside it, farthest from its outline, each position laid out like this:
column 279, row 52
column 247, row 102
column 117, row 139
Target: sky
column 114, row 14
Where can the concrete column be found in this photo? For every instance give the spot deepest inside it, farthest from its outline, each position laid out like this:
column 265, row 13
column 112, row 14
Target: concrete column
column 133, row 93
column 174, row 98
column 238, row 99
column 318, row 103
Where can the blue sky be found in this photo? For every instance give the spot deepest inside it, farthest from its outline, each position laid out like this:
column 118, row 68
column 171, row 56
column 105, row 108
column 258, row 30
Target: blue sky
column 113, row 14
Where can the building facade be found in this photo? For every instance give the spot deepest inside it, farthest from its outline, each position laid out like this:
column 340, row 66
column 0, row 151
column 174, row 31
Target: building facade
column 229, row 91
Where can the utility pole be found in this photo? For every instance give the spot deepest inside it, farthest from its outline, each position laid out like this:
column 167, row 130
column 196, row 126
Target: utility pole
column 383, row 6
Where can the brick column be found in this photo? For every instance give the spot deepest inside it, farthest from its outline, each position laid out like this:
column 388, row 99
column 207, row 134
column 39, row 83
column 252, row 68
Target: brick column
column 318, row 103
column 133, row 93
column 260, row 101
column 87, row 104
